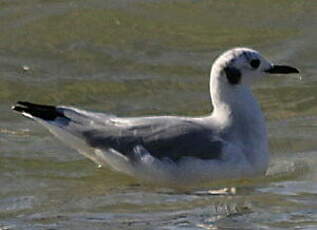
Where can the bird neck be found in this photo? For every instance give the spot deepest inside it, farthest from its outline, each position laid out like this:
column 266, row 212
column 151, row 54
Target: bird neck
column 240, row 119
column 231, row 102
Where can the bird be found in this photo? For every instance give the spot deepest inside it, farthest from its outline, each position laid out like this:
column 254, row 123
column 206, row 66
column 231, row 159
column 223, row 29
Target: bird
column 229, row 143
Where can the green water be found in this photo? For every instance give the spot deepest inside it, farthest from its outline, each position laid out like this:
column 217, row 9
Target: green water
column 151, row 57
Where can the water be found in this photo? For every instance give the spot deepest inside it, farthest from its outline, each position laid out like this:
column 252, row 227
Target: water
column 151, row 57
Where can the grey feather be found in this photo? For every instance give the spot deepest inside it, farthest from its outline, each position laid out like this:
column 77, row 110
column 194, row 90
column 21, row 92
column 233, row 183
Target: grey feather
column 163, row 137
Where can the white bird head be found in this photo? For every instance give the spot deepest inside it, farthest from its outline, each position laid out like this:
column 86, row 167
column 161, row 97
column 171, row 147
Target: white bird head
column 242, row 66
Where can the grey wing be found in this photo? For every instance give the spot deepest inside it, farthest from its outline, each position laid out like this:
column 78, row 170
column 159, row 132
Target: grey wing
column 163, row 137
column 167, row 136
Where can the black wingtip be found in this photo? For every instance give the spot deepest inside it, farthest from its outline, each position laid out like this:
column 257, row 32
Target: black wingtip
column 23, row 103
column 17, row 108
column 45, row 112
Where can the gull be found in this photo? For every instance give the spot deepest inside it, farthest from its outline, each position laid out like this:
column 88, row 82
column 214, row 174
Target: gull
column 229, row 143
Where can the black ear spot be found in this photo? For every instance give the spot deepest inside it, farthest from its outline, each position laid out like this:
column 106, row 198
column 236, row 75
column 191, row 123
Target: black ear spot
column 255, row 63
column 233, row 75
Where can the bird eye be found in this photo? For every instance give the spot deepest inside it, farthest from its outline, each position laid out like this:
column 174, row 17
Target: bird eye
column 255, row 63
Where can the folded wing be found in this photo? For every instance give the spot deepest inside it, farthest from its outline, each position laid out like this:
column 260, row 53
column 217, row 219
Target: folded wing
column 163, row 137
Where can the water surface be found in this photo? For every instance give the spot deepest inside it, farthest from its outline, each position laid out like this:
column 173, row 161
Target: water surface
column 141, row 58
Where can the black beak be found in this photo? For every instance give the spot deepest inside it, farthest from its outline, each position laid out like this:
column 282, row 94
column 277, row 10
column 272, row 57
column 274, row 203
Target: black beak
column 282, row 69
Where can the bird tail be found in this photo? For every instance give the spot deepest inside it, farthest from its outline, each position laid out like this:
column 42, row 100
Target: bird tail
column 31, row 110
